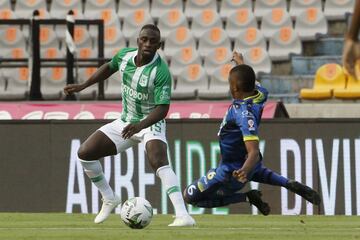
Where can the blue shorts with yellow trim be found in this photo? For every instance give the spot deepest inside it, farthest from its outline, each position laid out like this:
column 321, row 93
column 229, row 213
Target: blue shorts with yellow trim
column 218, row 181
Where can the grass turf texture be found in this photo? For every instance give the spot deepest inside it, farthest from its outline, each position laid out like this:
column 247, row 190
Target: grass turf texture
column 15, row 226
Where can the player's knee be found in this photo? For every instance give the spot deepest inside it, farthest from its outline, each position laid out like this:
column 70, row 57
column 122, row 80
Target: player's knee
column 83, row 153
column 190, row 194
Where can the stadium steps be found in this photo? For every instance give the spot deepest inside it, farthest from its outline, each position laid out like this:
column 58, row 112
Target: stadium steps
column 307, row 65
column 329, row 46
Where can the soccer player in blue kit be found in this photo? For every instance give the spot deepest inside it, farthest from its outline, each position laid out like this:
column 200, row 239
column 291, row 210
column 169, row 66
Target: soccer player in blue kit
column 241, row 158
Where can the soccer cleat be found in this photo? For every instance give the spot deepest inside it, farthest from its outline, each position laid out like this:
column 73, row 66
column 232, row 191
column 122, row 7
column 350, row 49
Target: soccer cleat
column 254, row 197
column 106, row 209
column 306, row 192
column 183, row 221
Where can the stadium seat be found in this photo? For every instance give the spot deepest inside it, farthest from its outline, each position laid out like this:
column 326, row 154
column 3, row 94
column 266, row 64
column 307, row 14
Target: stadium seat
column 259, row 59
column 194, row 7
column 213, row 38
column 60, row 8
column 204, row 20
column 297, row 6
column 249, row 38
column 53, row 80
column 17, row 84
column 11, row 37
column 127, row 7
column 309, row 23
column 219, row 84
column 262, row 7
column 336, row 9
column 183, row 57
column 158, row 7
column 170, row 20
column 134, row 21
column 114, row 41
column 48, row 37
column 228, row 7
column 178, row 38
column 98, row 5
column 84, row 115
column 274, row 20
column 109, row 16
column 89, row 93
column 113, row 87
column 217, row 57
column 352, row 90
column 327, row 78
column 43, row 14
column 5, row 4
column 284, row 42
column 239, row 20
column 190, row 82
column 25, row 9
column 82, row 39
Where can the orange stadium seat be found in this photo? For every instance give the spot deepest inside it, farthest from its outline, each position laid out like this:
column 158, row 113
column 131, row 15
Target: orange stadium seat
column 327, row 78
column 297, row 6
column 113, row 40
column 217, row 57
column 98, row 5
column 194, row 7
column 182, row 58
column 178, row 38
column 90, row 92
column 284, row 42
column 25, row 9
column 127, row 7
column 134, row 21
column 274, row 20
column 309, row 23
column 60, row 8
column 213, row 38
column 228, row 7
column 113, row 87
column 158, row 7
column 249, row 38
column 204, row 20
column 238, row 20
column 259, row 59
column 192, row 80
column 219, row 84
column 336, row 9
column 17, row 84
column 171, row 19
column 262, row 7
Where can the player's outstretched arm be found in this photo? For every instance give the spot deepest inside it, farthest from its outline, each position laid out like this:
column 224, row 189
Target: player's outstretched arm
column 351, row 52
column 159, row 113
column 104, row 72
column 253, row 156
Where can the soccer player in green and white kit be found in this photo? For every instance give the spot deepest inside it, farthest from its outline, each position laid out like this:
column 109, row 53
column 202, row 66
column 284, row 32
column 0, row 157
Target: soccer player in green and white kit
column 146, row 90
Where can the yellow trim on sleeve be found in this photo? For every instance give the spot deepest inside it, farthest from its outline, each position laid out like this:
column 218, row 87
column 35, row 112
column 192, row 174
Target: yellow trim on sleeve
column 251, row 138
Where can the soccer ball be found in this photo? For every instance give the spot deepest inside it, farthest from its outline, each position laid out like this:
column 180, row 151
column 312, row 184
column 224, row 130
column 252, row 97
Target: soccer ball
column 136, row 212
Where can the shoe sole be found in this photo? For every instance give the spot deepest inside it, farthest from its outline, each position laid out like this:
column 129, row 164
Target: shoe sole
column 309, row 194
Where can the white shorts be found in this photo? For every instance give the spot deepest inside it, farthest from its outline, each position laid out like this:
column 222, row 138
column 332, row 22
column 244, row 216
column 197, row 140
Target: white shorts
column 114, row 129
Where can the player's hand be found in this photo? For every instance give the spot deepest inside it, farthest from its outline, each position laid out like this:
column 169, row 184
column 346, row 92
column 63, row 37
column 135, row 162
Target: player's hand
column 240, row 175
column 130, row 130
column 351, row 54
column 237, row 58
column 73, row 88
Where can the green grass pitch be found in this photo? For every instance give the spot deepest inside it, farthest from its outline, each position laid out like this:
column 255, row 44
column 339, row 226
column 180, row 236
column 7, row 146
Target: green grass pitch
column 49, row 226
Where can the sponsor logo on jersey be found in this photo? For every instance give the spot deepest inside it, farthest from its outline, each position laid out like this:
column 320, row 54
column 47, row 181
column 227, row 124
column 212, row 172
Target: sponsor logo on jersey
column 251, row 124
column 135, row 94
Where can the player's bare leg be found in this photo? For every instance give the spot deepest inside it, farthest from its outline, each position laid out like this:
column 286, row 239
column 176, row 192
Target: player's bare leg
column 98, row 145
column 157, row 154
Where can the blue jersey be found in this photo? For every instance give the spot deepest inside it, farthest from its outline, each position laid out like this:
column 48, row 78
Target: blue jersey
column 241, row 124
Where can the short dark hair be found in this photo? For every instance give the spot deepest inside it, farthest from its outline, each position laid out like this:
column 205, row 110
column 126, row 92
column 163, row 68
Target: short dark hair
column 151, row 27
column 245, row 77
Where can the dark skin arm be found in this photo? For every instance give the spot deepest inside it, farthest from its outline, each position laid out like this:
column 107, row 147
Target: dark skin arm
column 252, row 158
column 155, row 116
column 351, row 52
column 103, row 73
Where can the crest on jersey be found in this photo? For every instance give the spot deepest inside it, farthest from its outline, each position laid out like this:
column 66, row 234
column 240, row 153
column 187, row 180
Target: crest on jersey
column 143, row 80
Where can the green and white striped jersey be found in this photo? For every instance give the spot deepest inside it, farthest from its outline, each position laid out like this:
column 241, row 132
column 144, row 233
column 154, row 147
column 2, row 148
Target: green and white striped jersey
column 142, row 87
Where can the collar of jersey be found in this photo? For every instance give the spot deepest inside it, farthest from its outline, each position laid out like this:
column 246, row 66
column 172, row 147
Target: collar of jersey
column 248, row 99
column 151, row 62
